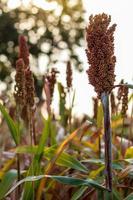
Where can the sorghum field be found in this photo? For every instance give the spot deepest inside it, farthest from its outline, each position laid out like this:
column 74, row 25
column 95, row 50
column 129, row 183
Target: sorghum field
column 54, row 157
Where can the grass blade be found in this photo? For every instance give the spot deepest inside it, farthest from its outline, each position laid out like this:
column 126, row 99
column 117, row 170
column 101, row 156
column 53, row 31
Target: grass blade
column 11, row 125
column 62, row 179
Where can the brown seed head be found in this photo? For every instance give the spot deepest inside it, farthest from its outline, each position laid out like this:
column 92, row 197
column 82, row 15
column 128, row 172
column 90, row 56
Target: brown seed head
column 113, row 104
column 23, row 50
column 124, row 101
column 51, row 79
column 19, row 88
column 100, row 53
column 69, row 75
column 30, row 89
column 120, row 91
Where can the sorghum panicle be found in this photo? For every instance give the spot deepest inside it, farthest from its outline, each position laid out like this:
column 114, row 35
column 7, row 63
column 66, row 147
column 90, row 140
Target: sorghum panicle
column 120, row 91
column 30, row 89
column 19, row 88
column 100, row 53
column 51, row 79
column 23, row 50
column 69, row 75
column 113, row 104
column 124, row 101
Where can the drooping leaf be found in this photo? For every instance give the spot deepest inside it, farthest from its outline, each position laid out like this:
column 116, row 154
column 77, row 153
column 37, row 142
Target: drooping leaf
column 62, row 179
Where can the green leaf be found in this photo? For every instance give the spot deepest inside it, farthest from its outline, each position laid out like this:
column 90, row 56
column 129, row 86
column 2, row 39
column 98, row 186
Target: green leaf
column 7, row 182
column 69, row 161
column 77, row 182
column 27, row 179
column 11, row 125
column 62, row 179
column 129, row 197
column 64, row 159
column 79, row 193
column 34, row 168
column 95, row 161
column 117, row 166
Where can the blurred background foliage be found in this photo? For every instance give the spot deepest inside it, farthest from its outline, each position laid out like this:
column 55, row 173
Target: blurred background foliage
column 53, row 35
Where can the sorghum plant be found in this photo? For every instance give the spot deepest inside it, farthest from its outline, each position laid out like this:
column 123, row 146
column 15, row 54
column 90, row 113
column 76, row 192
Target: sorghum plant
column 50, row 79
column 100, row 54
column 24, row 88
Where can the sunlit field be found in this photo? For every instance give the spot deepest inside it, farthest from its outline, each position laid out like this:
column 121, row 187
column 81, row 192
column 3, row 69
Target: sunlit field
column 54, row 145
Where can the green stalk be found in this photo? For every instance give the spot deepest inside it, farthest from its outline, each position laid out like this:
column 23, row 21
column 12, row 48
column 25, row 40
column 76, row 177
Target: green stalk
column 108, row 140
column 18, row 156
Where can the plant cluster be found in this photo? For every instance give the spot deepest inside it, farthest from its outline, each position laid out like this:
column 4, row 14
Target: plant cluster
column 64, row 157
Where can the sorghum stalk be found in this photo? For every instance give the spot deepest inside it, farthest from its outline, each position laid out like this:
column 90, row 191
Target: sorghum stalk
column 100, row 53
column 108, row 140
column 29, row 92
column 19, row 95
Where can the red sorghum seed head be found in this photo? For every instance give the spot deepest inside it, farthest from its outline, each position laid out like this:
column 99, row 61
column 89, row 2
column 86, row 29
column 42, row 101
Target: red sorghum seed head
column 23, row 50
column 124, row 101
column 113, row 104
column 120, row 91
column 30, row 89
column 50, row 77
column 19, row 88
column 69, row 75
column 100, row 53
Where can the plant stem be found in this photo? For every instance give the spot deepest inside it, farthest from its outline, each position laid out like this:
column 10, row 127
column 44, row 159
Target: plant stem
column 70, row 110
column 18, row 156
column 108, row 140
column 122, row 133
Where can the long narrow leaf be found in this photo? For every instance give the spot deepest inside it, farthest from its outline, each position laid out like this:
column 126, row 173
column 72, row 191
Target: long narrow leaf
column 62, row 179
column 11, row 125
